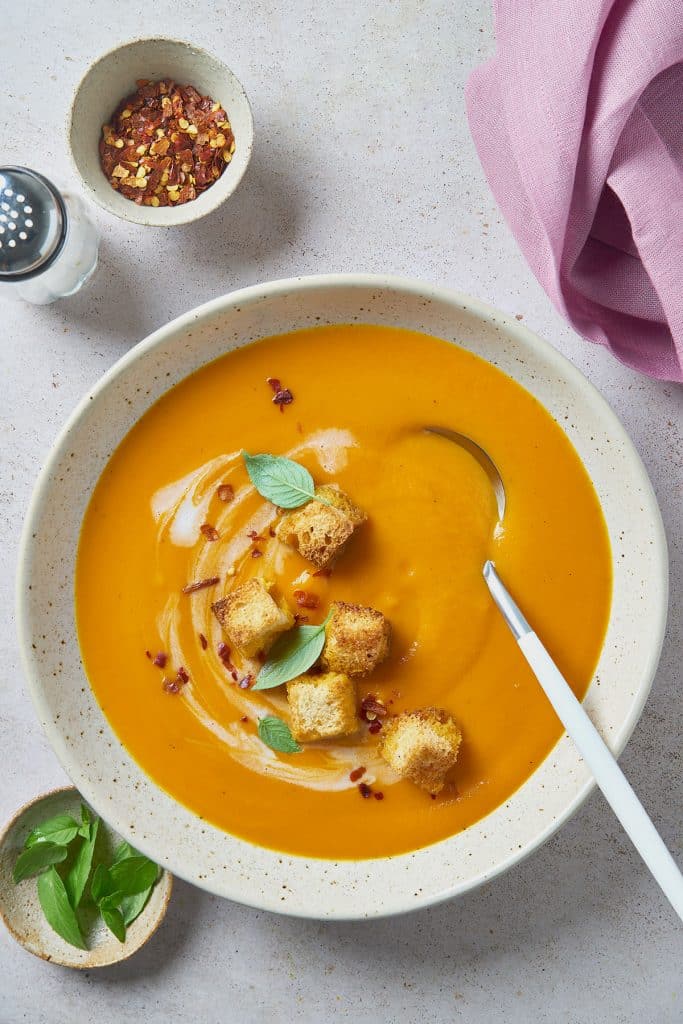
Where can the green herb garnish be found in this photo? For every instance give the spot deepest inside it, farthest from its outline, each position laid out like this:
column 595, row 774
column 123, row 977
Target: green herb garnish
column 59, row 913
column 280, row 480
column 292, row 654
column 119, row 891
column 37, row 858
column 276, row 734
column 79, row 872
column 60, row 829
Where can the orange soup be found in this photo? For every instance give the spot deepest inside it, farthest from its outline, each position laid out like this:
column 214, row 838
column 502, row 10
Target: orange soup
column 360, row 397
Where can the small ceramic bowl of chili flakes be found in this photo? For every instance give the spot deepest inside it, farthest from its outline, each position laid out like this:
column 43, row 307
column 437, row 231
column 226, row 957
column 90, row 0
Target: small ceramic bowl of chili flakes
column 160, row 131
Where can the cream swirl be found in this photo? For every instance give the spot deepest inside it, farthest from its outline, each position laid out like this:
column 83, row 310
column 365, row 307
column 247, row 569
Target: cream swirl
column 180, row 509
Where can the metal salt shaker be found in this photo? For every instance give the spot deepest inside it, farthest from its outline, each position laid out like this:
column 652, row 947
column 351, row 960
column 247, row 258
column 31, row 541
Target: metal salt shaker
column 48, row 244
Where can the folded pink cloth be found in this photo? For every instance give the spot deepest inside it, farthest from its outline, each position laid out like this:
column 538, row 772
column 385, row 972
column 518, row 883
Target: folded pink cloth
column 578, row 121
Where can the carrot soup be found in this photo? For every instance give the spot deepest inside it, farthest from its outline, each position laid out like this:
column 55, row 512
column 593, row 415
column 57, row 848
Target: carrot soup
column 176, row 528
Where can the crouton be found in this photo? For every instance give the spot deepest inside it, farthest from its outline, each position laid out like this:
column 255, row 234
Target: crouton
column 250, row 617
column 356, row 639
column 340, row 500
column 320, row 531
column 421, row 746
column 322, row 706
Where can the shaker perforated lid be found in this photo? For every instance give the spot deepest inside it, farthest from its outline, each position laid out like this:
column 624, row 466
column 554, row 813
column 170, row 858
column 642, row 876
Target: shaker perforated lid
column 32, row 223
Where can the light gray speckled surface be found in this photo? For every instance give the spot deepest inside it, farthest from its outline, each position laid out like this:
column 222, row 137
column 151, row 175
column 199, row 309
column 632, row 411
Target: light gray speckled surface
column 362, row 162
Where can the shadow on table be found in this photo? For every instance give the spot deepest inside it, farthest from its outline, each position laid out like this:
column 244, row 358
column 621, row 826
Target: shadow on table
column 224, row 250
column 165, row 946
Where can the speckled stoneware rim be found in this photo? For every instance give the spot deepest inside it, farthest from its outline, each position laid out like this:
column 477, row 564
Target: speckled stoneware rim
column 37, row 937
column 115, row 72
column 193, row 849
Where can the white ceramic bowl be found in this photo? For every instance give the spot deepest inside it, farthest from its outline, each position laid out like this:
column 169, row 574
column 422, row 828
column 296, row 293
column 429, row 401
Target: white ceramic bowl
column 108, row 776
column 113, row 77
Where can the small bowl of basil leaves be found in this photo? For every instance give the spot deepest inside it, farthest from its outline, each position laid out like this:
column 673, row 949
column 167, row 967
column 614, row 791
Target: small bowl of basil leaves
column 71, row 890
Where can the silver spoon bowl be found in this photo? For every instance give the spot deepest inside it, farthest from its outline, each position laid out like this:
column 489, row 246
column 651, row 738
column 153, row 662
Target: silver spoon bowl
column 479, row 455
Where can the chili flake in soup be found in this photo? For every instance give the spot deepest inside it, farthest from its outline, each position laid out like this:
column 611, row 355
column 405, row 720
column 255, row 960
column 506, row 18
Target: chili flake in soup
column 149, row 570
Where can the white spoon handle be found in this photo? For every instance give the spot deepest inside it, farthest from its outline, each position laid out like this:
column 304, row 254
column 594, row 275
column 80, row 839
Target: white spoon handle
column 593, row 749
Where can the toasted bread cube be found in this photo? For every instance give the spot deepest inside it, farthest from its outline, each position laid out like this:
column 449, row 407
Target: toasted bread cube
column 340, row 500
column 421, row 746
column 322, row 706
column 357, row 639
column 319, row 531
column 251, row 619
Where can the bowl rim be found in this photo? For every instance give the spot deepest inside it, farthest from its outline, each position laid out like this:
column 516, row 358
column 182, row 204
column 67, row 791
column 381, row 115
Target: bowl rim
column 93, row 195
column 128, row 949
column 483, row 310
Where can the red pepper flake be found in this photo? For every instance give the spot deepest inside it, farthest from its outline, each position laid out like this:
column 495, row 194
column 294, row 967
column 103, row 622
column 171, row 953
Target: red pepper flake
column 245, row 682
column 364, row 790
column 226, row 492
column 300, row 618
column 256, row 553
column 283, row 398
column 271, row 532
column 379, row 796
column 223, row 652
column 165, row 144
column 209, row 531
column 374, row 727
column 182, row 675
column 372, row 708
column 253, row 535
column 172, row 685
column 203, row 641
column 244, row 718
column 323, row 572
column 148, row 654
column 305, row 599
column 160, row 660
column 357, row 774
column 191, row 588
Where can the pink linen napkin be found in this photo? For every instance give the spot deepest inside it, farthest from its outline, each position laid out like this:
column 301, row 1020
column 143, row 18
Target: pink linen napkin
column 578, row 121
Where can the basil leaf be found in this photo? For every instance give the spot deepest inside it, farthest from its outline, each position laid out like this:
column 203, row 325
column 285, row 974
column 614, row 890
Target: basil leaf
column 37, row 857
column 292, row 653
column 58, row 911
column 113, row 919
column 133, row 875
column 280, row 480
column 79, row 872
column 101, row 884
column 132, row 906
column 60, row 829
column 113, row 899
column 84, row 830
column 276, row 734
column 123, row 851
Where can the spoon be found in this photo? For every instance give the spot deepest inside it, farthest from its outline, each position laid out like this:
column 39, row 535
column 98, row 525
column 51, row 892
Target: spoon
column 606, row 772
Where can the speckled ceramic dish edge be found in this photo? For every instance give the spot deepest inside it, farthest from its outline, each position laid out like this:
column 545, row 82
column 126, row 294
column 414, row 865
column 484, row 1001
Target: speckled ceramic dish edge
column 193, row 849
column 21, row 912
column 111, row 78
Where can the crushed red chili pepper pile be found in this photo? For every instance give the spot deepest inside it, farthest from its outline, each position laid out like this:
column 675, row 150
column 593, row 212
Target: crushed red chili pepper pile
column 165, row 144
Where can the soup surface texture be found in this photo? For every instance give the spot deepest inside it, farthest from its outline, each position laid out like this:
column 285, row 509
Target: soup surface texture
column 361, row 395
